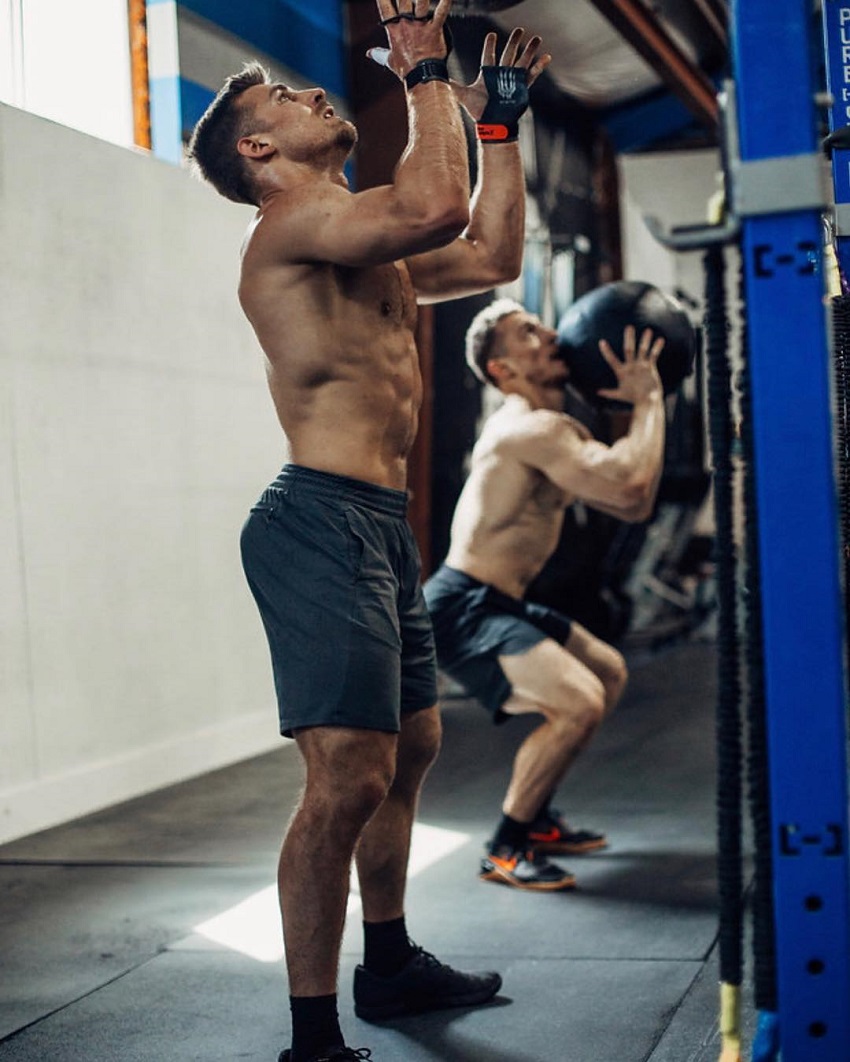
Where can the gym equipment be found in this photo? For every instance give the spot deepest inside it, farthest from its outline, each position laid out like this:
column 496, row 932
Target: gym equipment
column 798, row 526
column 729, row 736
column 775, row 204
column 603, row 314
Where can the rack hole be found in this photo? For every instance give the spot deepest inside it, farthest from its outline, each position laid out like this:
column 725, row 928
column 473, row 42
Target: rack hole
column 813, row 903
column 815, row 966
column 817, row 1029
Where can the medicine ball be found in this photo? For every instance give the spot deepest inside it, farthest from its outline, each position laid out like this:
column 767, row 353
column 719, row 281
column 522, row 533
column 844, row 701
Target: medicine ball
column 603, row 314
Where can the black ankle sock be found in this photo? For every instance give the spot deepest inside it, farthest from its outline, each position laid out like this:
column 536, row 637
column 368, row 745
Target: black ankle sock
column 387, row 948
column 511, row 833
column 315, row 1026
column 544, row 812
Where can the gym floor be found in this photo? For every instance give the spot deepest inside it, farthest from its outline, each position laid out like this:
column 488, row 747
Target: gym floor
column 148, row 932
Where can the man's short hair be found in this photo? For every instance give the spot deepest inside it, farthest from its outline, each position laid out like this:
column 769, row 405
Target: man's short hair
column 213, row 144
column 481, row 334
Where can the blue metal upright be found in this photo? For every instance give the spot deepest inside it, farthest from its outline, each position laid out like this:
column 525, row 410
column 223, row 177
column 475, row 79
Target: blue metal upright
column 836, row 27
column 778, row 197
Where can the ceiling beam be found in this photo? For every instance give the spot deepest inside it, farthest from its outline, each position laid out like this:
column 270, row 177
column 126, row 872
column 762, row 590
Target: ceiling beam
column 716, row 20
column 643, row 31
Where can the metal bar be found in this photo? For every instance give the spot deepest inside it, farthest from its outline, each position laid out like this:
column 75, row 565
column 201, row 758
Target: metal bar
column 798, row 541
column 715, row 20
column 650, row 39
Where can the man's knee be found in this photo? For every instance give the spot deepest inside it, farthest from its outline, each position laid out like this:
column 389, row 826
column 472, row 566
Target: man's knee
column 350, row 775
column 425, row 736
column 614, row 678
column 581, row 708
column 349, row 801
column 419, row 745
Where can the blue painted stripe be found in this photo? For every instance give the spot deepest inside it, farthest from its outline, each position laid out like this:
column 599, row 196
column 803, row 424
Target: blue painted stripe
column 307, row 38
column 167, row 141
column 194, row 100
column 642, row 123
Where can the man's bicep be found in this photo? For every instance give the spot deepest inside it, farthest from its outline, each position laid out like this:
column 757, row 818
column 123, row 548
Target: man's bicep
column 547, row 442
column 357, row 230
column 452, row 272
column 595, row 473
column 577, row 464
column 338, row 228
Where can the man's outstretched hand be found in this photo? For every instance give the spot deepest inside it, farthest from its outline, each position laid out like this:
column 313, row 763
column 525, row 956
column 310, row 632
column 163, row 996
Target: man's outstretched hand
column 414, row 33
column 484, row 90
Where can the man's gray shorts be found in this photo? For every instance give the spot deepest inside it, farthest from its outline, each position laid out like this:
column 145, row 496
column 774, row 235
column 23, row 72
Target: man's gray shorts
column 334, row 569
column 475, row 624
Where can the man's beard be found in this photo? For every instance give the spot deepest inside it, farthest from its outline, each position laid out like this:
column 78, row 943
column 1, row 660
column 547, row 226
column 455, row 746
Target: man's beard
column 557, row 380
column 347, row 136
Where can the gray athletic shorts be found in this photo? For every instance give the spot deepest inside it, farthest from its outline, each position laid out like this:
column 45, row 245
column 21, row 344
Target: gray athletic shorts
column 334, row 569
column 475, row 624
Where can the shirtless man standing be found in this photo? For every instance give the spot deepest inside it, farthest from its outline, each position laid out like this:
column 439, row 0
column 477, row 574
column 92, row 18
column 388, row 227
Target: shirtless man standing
column 330, row 281
column 530, row 462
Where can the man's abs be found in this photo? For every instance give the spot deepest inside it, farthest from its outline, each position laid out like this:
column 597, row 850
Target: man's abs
column 506, row 560
column 343, row 368
column 361, row 428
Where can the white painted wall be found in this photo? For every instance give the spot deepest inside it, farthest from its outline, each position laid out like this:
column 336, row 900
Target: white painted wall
column 135, row 433
column 675, row 188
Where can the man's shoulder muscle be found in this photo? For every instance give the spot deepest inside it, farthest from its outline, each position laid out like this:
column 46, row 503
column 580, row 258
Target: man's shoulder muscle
column 283, row 233
column 534, row 427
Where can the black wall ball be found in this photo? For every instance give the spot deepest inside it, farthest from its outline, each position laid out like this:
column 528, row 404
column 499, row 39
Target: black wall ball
column 604, row 313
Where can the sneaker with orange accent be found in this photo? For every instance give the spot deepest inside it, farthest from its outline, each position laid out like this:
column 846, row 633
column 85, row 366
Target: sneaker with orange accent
column 524, row 870
column 550, row 835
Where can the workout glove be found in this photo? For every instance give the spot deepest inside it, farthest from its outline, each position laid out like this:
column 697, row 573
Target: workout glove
column 507, row 101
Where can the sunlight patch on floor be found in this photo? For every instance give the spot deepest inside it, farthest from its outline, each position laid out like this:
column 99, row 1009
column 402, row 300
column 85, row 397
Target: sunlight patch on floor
column 252, row 927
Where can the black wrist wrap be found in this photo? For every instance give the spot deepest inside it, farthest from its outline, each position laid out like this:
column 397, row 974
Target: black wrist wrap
column 427, row 70
column 507, row 91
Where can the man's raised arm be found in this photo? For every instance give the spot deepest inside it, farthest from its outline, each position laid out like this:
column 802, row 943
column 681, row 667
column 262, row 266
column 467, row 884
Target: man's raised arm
column 490, row 250
column 427, row 203
column 433, row 173
column 621, row 479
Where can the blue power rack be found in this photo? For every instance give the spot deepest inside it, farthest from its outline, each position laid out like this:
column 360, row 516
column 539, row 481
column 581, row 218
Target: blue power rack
column 778, row 194
column 836, row 30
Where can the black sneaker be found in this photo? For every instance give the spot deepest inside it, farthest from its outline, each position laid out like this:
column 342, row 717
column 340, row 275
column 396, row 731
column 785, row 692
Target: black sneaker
column 524, row 870
column 552, row 836
column 423, row 984
column 338, row 1054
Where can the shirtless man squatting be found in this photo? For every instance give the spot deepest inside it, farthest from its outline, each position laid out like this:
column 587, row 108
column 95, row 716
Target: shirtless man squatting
column 516, row 657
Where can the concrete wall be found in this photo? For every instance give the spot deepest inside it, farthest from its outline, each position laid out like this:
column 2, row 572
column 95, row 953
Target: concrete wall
column 135, row 432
